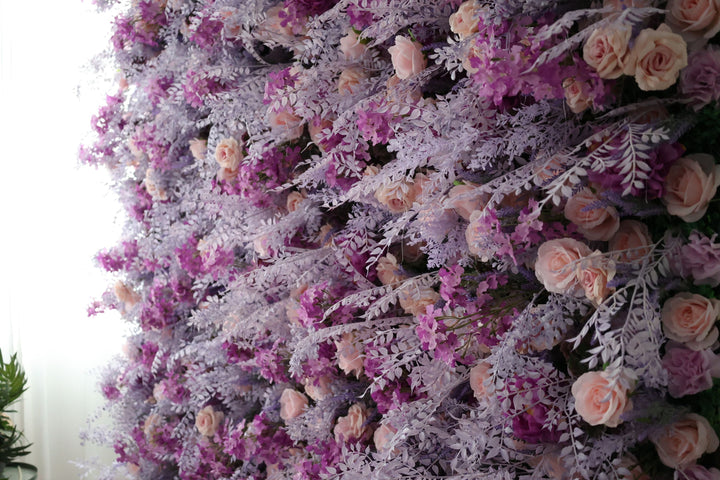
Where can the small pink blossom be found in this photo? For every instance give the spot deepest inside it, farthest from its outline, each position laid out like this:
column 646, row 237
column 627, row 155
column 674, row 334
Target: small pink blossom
column 407, row 57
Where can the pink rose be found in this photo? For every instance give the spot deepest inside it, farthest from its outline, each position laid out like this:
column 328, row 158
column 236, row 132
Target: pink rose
column 414, row 300
column 594, row 273
column 465, row 199
column 631, row 243
column 208, row 421
column 382, row 436
column 681, row 443
column 464, row 22
column 698, row 472
column 694, row 19
column 689, row 371
column 350, row 358
column 690, row 184
column 292, row 404
column 606, row 48
column 656, row 58
column 556, row 265
column 480, row 380
column 690, row 319
column 388, row 270
column 228, row 153
column 407, row 57
column 699, row 259
column 595, row 221
column 294, row 199
column 700, row 80
column 397, row 196
column 598, row 401
column 198, row 148
column 350, row 78
column 350, row 46
column 352, row 426
column 577, row 94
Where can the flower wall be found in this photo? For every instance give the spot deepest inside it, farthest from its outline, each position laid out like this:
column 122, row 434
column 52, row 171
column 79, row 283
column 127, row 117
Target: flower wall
column 414, row 239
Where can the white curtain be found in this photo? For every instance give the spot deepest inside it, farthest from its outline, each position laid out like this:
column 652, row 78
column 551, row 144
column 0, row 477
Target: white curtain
column 54, row 216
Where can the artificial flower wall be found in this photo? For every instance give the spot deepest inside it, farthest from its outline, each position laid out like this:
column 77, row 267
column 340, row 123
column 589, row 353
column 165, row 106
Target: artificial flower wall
column 414, row 239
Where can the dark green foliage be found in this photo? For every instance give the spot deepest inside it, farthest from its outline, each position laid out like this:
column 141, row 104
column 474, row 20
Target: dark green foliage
column 12, row 384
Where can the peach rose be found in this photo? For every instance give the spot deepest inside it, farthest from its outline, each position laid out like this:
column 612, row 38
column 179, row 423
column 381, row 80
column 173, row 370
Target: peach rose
column 227, row 174
column 319, row 388
column 127, row 296
column 397, row 196
column 597, row 401
column 292, row 404
column 208, row 421
column 465, row 199
column 656, row 58
column 286, row 123
column 352, row 426
column 478, row 375
column 594, row 273
column 198, row 148
column 350, row 78
column 694, row 19
column 690, row 318
column 631, row 243
column 388, row 270
column 690, row 184
column 577, row 95
column 549, row 170
column 315, row 129
column 556, row 265
column 681, row 443
column 350, row 46
column 350, row 358
column 414, row 299
column 294, row 199
column 407, row 58
column 228, row 153
column 606, row 48
column 464, row 22
column 382, row 436
column 595, row 222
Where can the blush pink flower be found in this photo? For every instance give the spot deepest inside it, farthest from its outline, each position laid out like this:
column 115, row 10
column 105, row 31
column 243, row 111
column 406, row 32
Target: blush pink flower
column 351, row 47
column 407, row 57
column 464, row 22
column 349, row 356
column 598, row 401
column 694, row 19
column 556, row 265
column 594, row 273
column 467, row 198
column 397, row 196
column 382, row 436
column 605, row 50
column 699, row 259
column 292, row 404
column 690, row 319
column 656, row 58
column 690, row 184
column 352, row 427
column 594, row 220
column 388, row 270
column 479, row 374
column 207, row 421
column 681, row 443
column 631, row 243
column 577, row 94
column 228, row 153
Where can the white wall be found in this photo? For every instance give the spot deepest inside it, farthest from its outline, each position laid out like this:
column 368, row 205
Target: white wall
column 54, row 216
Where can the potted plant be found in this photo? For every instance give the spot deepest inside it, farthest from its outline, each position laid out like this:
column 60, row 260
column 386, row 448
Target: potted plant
column 12, row 445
